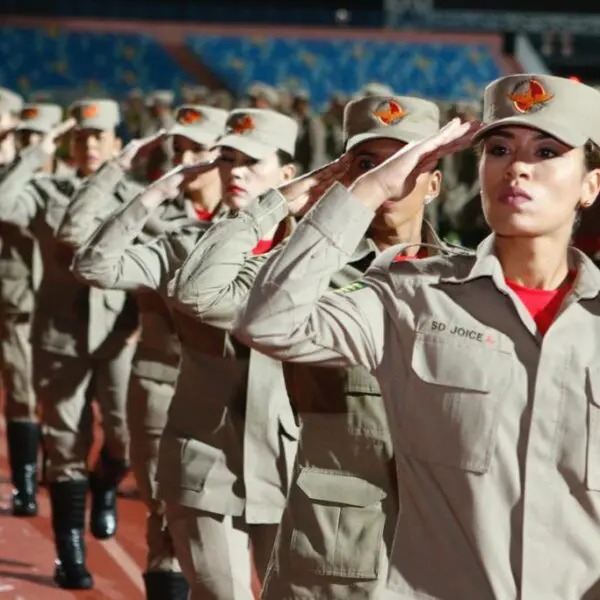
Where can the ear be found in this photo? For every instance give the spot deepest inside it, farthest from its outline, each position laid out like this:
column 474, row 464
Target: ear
column 590, row 188
column 434, row 184
column 288, row 172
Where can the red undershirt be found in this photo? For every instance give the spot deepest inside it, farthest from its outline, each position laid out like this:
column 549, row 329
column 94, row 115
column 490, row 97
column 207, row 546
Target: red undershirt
column 543, row 305
column 266, row 245
column 203, row 215
column 422, row 253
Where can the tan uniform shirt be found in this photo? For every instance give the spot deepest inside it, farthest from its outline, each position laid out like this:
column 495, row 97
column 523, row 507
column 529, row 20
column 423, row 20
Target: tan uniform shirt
column 496, row 430
column 202, row 461
column 70, row 318
column 211, row 285
column 158, row 353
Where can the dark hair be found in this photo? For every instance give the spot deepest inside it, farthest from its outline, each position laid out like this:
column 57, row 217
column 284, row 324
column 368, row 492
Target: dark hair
column 284, row 158
column 591, row 152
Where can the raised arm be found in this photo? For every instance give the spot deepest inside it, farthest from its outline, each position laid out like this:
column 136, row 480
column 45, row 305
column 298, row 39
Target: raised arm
column 109, row 259
column 215, row 279
column 20, row 199
column 289, row 314
column 102, row 194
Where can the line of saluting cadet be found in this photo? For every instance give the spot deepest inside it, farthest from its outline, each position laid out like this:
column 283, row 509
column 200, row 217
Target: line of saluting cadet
column 304, row 378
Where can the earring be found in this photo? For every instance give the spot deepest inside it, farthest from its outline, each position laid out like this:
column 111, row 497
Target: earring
column 429, row 198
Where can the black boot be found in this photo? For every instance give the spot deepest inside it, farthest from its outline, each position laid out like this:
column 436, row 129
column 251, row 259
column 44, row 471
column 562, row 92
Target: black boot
column 104, row 482
column 45, row 464
column 163, row 585
column 23, row 440
column 68, row 522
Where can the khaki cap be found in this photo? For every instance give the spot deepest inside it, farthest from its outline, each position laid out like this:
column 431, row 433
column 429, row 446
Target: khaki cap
column 201, row 124
column 263, row 90
column 40, row 117
column 96, row 114
column 259, row 132
column 164, row 97
column 564, row 109
column 10, row 101
column 401, row 118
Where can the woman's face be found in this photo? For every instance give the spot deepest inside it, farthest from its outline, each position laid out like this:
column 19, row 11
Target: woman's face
column 244, row 178
column 532, row 183
column 392, row 214
column 187, row 152
column 91, row 148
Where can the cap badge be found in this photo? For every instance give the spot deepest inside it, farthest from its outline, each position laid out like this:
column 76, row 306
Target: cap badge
column 244, row 124
column 529, row 96
column 389, row 112
column 188, row 116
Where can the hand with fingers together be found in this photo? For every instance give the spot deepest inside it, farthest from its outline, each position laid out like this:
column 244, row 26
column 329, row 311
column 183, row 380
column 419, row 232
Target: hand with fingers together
column 50, row 142
column 305, row 191
column 172, row 183
column 139, row 148
column 396, row 177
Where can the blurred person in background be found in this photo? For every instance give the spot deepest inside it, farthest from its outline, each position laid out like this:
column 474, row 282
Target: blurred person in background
column 159, row 117
column 312, row 137
column 20, row 274
column 83, row 339
column 334, row 129
column 156, row 361
column 263, row 96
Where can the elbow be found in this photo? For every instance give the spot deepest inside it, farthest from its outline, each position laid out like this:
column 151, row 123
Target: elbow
column 88, row 270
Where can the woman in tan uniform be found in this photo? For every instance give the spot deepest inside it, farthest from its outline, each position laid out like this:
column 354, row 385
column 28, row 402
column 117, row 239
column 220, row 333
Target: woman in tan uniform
column 488, row 364
column 344, row 469
column 224, row 474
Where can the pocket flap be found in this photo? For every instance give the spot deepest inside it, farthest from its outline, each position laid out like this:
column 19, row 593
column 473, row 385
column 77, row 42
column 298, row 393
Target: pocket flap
column 454, row 365
column 338, row 489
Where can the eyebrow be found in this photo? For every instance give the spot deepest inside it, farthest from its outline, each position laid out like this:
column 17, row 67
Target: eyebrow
column 364, row 153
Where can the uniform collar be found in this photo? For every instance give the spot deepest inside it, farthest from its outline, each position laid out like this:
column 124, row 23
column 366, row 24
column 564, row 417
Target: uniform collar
column 586, row 285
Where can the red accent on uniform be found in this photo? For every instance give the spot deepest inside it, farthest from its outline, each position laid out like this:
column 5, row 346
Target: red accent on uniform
column 265, row 245
column 422, row 253
column 204, row 215
column 543, row 305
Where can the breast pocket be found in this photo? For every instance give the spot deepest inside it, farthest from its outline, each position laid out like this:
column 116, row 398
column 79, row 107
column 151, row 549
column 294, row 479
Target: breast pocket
column 454, row 397
column 339, row 525
column 593, row 442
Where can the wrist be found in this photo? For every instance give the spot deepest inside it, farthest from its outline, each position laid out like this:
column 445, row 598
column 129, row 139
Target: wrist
column 368, row 193
column 152, row 197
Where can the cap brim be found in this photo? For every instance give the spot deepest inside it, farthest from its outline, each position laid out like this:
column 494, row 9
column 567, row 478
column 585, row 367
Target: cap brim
column 96, row 124
column 562, row 133
column 32, row 126
column 195, row 134
column 406, row 136
column 252, row 148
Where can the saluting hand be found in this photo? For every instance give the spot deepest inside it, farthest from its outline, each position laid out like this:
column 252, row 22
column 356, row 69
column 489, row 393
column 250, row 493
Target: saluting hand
column 304, row 191
column 135, row 149
column 170, row 184
column 395, row 178
column 50, row 141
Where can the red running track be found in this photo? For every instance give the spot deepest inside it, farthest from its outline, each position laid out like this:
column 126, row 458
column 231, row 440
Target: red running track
column 27, row 550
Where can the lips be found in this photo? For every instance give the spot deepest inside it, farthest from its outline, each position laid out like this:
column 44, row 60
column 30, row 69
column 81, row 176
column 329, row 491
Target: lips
column 514, row 196
column 235, row 190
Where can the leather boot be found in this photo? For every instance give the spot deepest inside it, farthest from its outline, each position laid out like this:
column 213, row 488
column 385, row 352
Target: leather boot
column 68, row 500
column 23, row 441
column 104, row 482
column 164, row 585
